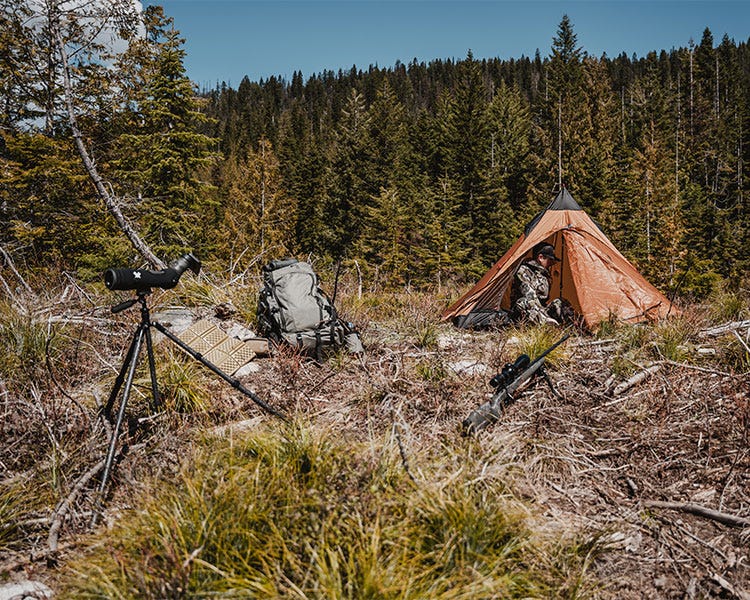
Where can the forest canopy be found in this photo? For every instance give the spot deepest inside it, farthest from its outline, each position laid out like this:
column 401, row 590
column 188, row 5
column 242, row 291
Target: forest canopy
column 423, row 173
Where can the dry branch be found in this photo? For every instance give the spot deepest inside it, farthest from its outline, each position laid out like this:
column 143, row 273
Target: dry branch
column 701, row 511
column 744, row 345
column 732, row 589
column 720, row 329
column 31, row 557
column 12, row 267
column 64, row 507
column 107, row 197
column 636, row 379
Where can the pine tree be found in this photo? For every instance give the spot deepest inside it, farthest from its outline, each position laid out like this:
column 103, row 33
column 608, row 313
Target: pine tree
column 164, row 161
column 259, row 218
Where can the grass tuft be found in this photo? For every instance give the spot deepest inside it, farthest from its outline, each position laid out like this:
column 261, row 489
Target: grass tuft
column 533, row 341
column 673, row 339
column 24, row 343
column 182, row 384
column 726, row 305
column 306, row 514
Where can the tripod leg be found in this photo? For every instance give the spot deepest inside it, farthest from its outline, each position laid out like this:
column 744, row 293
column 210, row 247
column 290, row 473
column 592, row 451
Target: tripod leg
column 121, row 376
column 156, row 398
column 133, row 356
column 231, row 380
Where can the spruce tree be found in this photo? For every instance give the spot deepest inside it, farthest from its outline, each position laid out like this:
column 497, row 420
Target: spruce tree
column 163, row 159
column 259, row 218
column 566, row 113
column 352, row 188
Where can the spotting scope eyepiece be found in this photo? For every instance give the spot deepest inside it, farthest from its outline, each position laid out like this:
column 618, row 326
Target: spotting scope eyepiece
column 143, row 279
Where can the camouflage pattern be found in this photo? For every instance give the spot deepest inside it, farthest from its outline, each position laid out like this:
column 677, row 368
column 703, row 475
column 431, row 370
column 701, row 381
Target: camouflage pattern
column 530, row 294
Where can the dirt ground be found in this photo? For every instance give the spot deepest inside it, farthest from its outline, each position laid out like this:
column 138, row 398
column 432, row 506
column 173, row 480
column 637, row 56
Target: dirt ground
column 658, row 468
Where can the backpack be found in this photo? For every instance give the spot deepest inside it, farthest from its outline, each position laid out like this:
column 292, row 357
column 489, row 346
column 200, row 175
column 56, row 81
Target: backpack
column 293, row 310
column 481, row 319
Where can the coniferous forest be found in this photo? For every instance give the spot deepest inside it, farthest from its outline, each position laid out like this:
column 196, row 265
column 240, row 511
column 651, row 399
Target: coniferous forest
column 422, row 173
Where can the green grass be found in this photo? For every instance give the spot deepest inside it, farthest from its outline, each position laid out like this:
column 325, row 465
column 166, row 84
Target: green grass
column 674, row 340
column 182, row 384
column 303, row 513
column 24, row 343
column 639, row 344
column 10, row 513
column 533, row 341
column 726, row 305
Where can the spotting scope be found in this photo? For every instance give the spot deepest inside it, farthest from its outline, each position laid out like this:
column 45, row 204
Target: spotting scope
column 143, row 279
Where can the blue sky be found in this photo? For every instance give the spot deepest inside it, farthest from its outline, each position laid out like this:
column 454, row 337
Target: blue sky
column 229, row 39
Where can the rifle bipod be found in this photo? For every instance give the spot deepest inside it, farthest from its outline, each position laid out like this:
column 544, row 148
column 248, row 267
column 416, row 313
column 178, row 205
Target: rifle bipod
column 127, row 374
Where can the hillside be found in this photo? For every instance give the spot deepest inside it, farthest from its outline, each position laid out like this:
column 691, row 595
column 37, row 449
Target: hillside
column 621, row 487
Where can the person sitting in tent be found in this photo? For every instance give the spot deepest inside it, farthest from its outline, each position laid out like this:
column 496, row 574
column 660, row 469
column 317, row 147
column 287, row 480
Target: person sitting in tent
column 531, row 286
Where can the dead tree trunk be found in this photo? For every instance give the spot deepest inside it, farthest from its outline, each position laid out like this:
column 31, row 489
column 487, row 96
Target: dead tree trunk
column 110, row 201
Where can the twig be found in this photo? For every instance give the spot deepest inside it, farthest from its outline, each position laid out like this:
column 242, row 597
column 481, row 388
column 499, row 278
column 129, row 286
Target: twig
column 64, row 506
column 737, row 335
column 693, row 367
column 725, row 585
column 401, row 449
column 12, row 267
column 10, row 293
column 48, row 364
column 701, row 511
column 81, row 291
column 31, row 557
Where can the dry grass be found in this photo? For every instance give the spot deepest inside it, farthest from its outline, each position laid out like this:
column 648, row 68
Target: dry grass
column 374, row 492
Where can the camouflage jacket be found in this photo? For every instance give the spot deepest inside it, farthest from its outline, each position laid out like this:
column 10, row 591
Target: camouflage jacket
column 530, row 293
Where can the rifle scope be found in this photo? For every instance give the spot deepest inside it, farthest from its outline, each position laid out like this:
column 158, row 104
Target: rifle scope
column 510, row 372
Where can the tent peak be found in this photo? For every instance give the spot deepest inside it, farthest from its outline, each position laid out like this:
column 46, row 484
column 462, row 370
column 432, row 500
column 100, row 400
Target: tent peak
column 564, row 201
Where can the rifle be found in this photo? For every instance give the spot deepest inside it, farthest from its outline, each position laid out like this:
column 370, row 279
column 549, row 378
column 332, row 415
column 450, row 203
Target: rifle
column 512, row 377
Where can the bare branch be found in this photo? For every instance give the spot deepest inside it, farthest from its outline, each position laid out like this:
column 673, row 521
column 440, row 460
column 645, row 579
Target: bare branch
column 109, row 200
column 701, row 511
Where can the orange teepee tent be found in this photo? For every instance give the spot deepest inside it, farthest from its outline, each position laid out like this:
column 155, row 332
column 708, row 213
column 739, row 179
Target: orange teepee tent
column 593, row 276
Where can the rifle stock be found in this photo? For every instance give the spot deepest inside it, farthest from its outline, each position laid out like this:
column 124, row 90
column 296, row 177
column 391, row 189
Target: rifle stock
column 490, row 411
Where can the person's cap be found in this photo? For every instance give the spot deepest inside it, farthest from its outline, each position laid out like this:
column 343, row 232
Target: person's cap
column 545, row 249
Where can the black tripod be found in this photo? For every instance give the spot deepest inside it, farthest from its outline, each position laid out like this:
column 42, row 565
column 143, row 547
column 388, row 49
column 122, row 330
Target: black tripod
column 127, row 373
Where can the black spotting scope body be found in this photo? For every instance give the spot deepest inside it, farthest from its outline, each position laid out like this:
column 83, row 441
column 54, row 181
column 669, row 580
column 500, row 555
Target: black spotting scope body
column 143, row 279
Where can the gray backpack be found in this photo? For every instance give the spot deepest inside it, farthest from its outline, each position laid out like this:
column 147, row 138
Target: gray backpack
column 293, row 310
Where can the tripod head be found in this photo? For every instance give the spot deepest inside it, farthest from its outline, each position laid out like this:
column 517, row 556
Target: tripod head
column 141, row 297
